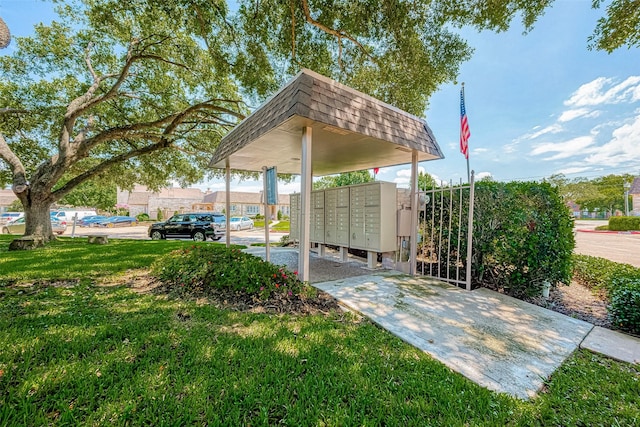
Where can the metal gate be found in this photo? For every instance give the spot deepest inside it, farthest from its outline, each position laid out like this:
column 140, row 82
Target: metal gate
column 445, row 240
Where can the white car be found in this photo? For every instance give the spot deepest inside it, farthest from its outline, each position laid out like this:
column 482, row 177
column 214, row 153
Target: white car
column 241, row 223
column 6, row 217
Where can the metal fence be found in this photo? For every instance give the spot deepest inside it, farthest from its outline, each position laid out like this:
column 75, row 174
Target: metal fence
column 445, row 243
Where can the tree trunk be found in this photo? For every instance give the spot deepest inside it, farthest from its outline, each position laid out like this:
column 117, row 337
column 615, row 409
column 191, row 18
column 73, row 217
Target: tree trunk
column 37, row 217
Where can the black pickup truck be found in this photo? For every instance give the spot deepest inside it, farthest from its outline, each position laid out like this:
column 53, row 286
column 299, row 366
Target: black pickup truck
column 194, row 225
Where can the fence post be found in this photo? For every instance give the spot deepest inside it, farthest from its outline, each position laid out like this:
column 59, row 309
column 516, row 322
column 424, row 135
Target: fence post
column 470, row 230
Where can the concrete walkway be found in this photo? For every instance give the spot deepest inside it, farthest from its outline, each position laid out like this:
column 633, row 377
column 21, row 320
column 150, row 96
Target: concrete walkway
column 499, row 342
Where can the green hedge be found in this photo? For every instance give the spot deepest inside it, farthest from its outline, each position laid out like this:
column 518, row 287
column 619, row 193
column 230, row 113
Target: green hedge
column 625, row 305
column 523, row 235
column 600, row 274
column 619, row 282
column 624, row 223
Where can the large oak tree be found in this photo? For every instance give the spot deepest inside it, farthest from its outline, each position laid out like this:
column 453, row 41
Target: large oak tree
column 141, row 91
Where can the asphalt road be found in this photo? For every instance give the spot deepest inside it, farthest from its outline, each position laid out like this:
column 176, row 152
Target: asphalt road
column 615, row 246
column 618, row 247
column 244, row 237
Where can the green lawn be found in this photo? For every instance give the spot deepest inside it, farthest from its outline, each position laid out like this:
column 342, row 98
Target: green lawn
column 90, row 355
column 280, row 226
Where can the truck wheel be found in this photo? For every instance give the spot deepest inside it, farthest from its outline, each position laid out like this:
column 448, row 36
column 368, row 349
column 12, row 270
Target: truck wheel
column 156, row 235
column 199, row 236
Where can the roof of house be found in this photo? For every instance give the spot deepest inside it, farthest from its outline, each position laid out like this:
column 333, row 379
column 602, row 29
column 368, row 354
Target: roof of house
column 240, row 197
column 350, row 131
column 635, row 186
column 138, row 198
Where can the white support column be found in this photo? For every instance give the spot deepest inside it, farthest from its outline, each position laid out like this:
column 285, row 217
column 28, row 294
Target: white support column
column 413, row 250
column 267, row 215
column 305, row 204
column 227, row 196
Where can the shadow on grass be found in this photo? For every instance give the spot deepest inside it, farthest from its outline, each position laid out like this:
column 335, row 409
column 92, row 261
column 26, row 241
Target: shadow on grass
column 69, row 258
column 104, row 356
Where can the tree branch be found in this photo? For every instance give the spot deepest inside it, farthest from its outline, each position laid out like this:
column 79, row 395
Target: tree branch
column 77, row 180
column 338, row 33
column 160, row 131
column 17, row 168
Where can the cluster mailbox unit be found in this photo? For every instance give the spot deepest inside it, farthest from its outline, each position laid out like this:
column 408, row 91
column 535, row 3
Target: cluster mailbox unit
column 362, row 216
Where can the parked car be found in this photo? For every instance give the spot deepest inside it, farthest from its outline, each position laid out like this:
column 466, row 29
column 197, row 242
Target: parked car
column 91, row 221
column 195, row 225
column 69, row 215
column 6, row 217
column 115, row 221
column 17, row 226
column 240, row 223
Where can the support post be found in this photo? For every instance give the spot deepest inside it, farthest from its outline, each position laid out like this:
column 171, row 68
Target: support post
column 413, row 249
column 267, row 216
column 305, row 204
column 227, row 201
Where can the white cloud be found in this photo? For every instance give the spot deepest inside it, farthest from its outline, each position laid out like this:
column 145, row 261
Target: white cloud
column 603, row 91
column 406, row 173
column 480, row 150
column 622, row 149
column 573, row 170
column 577, row 113
column 554, row 128
column 481, row 175
column 563, row 150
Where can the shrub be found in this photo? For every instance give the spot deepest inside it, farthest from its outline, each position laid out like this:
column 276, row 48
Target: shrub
column 199, row 268
column 523, row 236
column 625, row 305
column 285, row 240
column 142, row 217
column 159, row 215
column 624, row 223
column 600, row 274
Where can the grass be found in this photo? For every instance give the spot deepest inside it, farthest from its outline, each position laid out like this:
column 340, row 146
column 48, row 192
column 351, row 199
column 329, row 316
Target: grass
column 90, row 355
column 282, row 226
column 69, row 258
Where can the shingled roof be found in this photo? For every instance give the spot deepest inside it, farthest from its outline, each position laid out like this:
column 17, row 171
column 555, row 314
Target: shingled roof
column 350, row 131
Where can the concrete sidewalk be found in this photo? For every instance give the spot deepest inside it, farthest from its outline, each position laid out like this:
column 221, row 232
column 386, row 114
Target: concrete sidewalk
column 499, row 342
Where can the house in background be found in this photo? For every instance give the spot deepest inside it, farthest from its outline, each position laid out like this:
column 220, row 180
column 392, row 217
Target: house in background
column 634, row 191
column 172, row 200
column 6, row 198
column 167, row 200
column 246, row 204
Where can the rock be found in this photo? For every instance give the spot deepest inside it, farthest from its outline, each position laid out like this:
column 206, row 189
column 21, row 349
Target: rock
column 98, row 240
column 26, row 243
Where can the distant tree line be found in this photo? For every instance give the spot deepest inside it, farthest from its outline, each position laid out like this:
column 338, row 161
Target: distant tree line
column 602, row 194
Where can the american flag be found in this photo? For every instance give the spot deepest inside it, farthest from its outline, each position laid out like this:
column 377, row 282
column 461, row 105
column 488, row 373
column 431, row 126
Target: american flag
column 464, row 127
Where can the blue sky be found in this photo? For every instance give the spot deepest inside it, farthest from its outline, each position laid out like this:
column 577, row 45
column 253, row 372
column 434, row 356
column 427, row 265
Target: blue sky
column 537, row 104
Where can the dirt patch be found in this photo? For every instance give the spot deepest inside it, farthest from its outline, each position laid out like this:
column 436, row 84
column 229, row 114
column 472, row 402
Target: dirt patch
column 576, row 301
column 320, row 303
